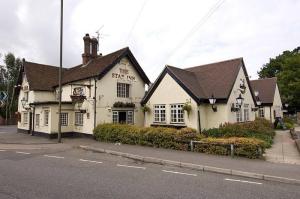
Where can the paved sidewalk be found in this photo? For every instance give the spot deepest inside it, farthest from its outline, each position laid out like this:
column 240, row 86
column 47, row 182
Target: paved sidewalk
column 283, row 150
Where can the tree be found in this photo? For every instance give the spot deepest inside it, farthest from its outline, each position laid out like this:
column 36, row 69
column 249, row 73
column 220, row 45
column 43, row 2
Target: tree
column 286, row 67
column 9, row 76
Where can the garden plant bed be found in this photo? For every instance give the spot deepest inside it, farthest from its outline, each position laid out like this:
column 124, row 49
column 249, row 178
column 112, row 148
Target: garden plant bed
column 249, row 139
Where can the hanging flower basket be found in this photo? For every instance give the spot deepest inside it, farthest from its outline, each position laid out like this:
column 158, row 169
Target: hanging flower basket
column 146, row 109
column 187, row 107
column 77, row 98
column 124, row 105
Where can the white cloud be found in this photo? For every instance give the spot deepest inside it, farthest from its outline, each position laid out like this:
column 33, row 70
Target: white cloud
column 255, row 30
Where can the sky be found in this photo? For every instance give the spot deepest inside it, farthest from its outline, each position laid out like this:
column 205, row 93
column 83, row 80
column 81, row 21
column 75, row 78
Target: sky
column 181, row 33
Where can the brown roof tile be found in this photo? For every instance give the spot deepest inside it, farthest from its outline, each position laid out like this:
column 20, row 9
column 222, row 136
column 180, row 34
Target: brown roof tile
column 203, row 81
column 45, row 77
column 266, row 88
column 40, row 77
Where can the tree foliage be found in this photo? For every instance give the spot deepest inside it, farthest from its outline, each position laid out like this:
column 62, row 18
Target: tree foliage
column 286, row 67
column 8, row 79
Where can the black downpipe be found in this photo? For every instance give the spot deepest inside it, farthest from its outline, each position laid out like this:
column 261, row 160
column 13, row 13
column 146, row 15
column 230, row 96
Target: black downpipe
column 199, row 120
column 95, row 101
column 33, row 121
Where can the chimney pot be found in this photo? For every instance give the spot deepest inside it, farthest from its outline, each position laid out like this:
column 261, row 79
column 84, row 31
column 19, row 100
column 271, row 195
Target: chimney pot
column 86, row 56
column 94, row 44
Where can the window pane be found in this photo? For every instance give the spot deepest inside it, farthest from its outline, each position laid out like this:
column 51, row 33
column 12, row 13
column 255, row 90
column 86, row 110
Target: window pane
column 115, row 117
column 46, row 118
column 64, row 119
column 37, row 119
column 130, row 117
column 177, row 114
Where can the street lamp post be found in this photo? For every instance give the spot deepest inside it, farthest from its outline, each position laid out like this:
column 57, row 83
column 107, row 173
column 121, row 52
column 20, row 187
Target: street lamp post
column 60, row 71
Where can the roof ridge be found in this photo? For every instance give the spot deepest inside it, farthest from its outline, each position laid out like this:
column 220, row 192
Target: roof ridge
column 268, row 78
column 29, row 62
column 217, row 62
column 199, row 85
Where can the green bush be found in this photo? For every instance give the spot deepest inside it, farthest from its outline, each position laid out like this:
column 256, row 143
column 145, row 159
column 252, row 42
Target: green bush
column 151, row 136
column 289, row 125
column 246, row 147
column 260, row 129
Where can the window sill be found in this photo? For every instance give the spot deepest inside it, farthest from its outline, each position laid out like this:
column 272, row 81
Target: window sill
column 172, row 125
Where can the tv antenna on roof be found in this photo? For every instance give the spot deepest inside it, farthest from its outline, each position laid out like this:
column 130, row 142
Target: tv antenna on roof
column 100, row 35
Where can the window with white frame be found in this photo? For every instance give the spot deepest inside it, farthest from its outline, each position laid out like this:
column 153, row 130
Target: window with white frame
column 115, row 116
column 123, row 90
column 261, row 112
column 64, row 119
column 37, row 119
column 129, row 117
column 177, row 115
column 160, row 113
column 246, row 112
column 46, row 118
column 239, row 116
column 78, row 119
column 25, row 118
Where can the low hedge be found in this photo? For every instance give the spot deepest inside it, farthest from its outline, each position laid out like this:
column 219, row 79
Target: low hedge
column 150, row 136
column 260, row 129
column 178, row 139
column 246, row 147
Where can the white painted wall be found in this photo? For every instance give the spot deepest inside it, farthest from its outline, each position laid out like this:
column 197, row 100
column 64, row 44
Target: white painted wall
column 107, row 93
column 106, row 96
column 170, row 92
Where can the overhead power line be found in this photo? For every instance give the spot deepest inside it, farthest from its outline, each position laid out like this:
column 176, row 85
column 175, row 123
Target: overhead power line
column 136, row 20
column 196, row 27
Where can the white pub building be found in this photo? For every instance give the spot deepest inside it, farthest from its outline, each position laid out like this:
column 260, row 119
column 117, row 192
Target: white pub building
column 103, row 89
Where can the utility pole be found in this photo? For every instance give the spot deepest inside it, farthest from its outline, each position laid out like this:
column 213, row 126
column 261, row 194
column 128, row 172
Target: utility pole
column 60, row 71
column 6, row 105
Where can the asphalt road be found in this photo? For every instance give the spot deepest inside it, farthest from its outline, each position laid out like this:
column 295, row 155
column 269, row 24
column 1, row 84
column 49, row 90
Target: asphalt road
column 73, row 173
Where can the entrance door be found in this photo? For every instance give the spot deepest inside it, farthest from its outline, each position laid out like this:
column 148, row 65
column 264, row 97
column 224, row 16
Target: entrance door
column 122, row 117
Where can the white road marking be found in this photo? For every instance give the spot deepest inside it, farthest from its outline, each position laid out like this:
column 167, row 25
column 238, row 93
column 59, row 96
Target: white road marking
column 2, row 150
column 21, row 152
column 176, row 172
column 53, row 156
column 92, row 161
column 135, row 167
column 243, row 181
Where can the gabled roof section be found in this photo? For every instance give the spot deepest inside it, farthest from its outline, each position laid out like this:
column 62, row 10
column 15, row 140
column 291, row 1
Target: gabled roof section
column 217, row 78
column 200, row 82
column 45, row 77
column 40, row 77
column 266, row 88
column 99, row 66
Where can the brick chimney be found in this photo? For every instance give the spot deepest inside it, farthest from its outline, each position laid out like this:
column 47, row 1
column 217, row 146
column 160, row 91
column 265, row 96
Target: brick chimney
column 94, row 44
column 86, row 56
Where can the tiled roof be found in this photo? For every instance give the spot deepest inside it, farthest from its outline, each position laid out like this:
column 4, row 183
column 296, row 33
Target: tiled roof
column 203, row 81
column 45, row 78
column 266, row 88
column 40, row 77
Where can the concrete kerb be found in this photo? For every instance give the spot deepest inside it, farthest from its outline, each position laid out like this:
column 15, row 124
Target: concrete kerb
column 195, row 166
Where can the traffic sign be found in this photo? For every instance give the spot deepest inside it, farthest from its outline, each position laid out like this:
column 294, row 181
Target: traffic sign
column 3, row 95
column 2, row 104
